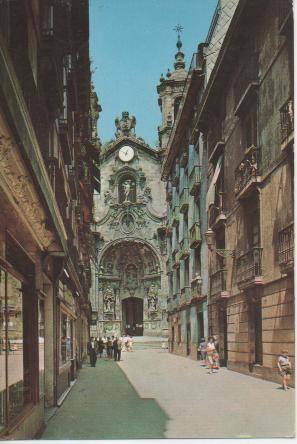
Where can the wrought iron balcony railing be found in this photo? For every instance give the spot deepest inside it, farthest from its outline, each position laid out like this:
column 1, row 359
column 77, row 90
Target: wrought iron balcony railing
column 249, row 268
column 195, row 289
column 287, row 121
column 286, row 248
column 218, row 282
column 195, row 235
column 248, row 171
column 194, row 180
column 184, row 248
column 184, row 200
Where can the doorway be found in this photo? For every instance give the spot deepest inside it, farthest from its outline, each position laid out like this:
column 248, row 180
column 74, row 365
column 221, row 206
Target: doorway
column 132, row 309
column 257, row 315
column 223, row 333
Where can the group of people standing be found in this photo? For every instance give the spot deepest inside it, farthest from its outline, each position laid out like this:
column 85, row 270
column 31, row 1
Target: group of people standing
column 111, row 347
column 209, row 353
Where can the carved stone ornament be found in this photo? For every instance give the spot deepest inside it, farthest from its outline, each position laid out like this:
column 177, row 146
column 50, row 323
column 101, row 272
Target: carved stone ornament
column 125, row 126
column 20, row 186
column 109, row 300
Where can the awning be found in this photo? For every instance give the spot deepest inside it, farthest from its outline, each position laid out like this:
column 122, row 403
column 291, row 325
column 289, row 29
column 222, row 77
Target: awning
column 210, row 196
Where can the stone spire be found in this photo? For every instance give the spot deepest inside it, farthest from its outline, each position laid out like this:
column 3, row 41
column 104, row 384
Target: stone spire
column 170, row 91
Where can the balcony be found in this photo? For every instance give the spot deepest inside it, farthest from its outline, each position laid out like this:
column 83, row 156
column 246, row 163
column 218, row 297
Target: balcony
column 184, row 251
column 175, row 216
column 184, row 200
column 287, row 124
column 195, row 180
column 249, row 269
column 185, row 296
column 195, row 235
column 217, row 215
column 196, row 292
column 218, row 284
column 247, row 174
column 286, row 249
column 246, row 83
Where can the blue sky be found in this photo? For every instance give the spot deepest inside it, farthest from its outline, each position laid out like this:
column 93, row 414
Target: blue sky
column 131, row 43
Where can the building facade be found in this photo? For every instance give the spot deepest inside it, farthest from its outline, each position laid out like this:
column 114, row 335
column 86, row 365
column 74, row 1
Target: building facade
column 129, row 289
column 248, row 119
column 241, row 118
column 185, row 170
column 47, row 153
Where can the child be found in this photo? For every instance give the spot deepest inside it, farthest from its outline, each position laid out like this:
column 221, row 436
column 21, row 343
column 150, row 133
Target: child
column 285, row 368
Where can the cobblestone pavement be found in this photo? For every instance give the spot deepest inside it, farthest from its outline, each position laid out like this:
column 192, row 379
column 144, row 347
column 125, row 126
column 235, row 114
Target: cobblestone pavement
column 154, row 394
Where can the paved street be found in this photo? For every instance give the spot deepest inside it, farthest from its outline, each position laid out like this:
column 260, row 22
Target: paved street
column 153, row 394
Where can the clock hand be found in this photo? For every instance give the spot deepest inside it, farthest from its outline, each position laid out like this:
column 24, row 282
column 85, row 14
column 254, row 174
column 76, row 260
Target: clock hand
column 126, row 152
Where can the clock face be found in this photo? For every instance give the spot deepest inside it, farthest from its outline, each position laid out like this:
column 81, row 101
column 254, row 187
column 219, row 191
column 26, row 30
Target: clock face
column 126, row 153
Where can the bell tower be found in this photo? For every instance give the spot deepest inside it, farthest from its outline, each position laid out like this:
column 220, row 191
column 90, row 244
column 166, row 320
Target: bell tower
column 170, row 92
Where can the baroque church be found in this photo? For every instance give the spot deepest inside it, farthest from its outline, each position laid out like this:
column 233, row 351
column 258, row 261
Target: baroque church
column 129, row 292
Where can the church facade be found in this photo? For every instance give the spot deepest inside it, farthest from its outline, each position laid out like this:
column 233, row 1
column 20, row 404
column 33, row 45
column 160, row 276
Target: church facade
column 129, row 291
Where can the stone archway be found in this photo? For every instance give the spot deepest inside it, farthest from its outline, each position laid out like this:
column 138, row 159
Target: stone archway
column 130, row 282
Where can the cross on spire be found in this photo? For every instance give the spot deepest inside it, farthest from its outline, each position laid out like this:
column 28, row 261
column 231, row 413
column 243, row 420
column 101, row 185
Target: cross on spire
column 179, row 29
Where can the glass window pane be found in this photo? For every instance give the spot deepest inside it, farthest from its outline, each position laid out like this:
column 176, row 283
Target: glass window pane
column 2, row 350
column 16, row 386
column 63, row 337
column 41, row 346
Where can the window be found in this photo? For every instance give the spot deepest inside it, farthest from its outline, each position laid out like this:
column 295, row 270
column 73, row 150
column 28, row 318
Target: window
column 249, row 123
column 187, row 266
column 66, row 339
column 127, row 189
column 32, row 49
column 197, row 262
column 41, row 345
column 14, row 351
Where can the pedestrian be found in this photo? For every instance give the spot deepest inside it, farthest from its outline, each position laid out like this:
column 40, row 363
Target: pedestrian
column 115, row 348
column 108, row 347
column 92, row 351
column 100, row 347
column 202, row 351
column 216, row 355
column 119, row 350
column 210, row 349
column 285, row 368
column 111, row 347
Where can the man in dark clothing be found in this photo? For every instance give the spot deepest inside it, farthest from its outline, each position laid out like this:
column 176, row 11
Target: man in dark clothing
column 115, row 348
column 92, row 351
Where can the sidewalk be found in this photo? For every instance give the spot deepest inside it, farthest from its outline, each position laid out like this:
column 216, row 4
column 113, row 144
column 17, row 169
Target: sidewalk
column 154, row 394
column 104, row 405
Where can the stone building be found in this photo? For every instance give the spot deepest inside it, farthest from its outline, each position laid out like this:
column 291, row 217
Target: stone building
column 46, row 159
column 247, row 118
column 129, row 289
column 185, row 172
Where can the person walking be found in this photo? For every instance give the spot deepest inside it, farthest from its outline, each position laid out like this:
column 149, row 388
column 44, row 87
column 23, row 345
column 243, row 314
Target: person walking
column 202, row 351
column 210, row 349
column 216, row 355
column 108, row 347
column 285, row 368
column 100, row 347
column 115, row 348
column 119, row 349
column 92, row 351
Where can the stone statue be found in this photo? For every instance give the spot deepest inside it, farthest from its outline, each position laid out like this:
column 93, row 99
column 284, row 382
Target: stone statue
column 152, row 298
column 127, row 186
column 109, row 300
column 125, row 126
column 108, row 197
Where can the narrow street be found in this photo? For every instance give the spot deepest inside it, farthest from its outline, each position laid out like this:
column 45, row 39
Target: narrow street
column 154, row 394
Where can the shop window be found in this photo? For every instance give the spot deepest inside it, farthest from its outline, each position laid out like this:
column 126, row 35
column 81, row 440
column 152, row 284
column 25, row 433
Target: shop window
column 127, row 189
column 15, row 374
column 66, row 338
column 41, row 346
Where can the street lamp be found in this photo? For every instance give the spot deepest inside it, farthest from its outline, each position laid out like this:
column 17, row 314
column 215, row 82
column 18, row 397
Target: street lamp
column 210, row 238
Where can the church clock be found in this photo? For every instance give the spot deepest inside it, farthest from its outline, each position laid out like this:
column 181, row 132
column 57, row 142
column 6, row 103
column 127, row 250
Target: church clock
column 126, row 153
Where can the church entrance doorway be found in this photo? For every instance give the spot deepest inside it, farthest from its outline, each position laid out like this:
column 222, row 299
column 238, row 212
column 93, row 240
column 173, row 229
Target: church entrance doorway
column 132, row 311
